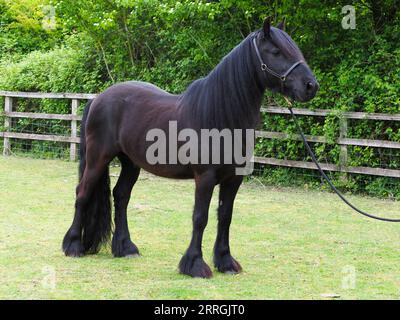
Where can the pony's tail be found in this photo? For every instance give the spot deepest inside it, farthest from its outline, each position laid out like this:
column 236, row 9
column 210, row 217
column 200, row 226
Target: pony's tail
column 82, row 145
column 96, row 220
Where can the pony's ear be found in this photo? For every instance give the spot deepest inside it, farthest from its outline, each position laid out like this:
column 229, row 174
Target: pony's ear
column 267, row 27
column 282, row 25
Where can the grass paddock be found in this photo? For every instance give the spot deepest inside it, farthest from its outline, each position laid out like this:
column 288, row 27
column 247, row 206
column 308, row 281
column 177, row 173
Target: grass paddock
column 292, row 244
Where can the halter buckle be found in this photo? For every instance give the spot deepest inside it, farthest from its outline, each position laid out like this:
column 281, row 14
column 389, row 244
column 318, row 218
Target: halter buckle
column 264, row 67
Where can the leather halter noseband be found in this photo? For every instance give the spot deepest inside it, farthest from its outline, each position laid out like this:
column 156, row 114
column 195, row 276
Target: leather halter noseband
column 264, row 67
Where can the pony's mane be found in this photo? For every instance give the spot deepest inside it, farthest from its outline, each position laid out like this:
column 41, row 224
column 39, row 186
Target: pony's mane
column 230, row 95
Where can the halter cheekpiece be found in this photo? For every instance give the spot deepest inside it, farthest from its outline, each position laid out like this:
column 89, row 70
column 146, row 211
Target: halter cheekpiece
column 265, row 68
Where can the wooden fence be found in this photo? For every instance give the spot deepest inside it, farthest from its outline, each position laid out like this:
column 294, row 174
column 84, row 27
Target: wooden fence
column 73, row 139
column 343, row 141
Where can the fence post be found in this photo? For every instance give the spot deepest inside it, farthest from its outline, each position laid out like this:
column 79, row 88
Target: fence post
column 343, row 156
column 74, row 112
column 8, row 104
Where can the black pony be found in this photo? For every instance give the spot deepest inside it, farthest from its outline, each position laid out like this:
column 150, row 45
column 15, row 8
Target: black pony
column 115, row 124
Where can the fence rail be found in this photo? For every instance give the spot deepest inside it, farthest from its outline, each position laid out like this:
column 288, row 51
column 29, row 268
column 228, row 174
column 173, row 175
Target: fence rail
column 343, row 141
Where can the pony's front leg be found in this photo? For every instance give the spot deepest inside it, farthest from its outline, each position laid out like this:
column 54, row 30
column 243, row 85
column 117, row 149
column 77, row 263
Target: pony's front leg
column 192, row 262
column 223, row 260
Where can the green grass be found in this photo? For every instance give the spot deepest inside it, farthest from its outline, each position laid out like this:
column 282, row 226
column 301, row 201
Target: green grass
column 291, row 243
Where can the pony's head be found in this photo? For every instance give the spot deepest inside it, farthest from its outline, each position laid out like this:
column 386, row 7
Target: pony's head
column 282, row 63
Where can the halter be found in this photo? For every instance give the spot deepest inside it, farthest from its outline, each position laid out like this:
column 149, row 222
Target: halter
column 264, row 67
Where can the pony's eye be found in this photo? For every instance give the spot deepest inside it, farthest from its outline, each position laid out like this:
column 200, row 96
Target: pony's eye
column 275, row 51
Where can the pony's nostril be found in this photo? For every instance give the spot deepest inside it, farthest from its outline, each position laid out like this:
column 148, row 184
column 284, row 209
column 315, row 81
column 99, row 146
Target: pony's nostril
column 310, row 85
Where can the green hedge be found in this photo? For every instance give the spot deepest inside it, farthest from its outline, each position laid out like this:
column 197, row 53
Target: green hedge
column 99, row 42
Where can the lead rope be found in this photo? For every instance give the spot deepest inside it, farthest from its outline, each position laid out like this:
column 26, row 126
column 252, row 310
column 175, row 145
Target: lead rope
column 314, row 159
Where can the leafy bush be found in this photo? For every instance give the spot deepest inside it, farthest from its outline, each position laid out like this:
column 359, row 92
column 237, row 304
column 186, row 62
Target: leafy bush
column 171, row 43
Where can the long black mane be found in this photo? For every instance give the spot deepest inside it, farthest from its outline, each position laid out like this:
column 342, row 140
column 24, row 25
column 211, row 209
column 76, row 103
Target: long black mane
column 230, row 95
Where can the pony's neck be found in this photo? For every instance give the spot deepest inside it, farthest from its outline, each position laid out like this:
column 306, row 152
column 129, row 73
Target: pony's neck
column 231, row 95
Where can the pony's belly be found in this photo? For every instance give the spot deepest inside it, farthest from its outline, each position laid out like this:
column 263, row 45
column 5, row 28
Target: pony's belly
column 169, row 171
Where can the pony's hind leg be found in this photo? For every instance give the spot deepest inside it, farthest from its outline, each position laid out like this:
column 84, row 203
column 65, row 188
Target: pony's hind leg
column 122, row 245
column 72, row 242
column 91, row 181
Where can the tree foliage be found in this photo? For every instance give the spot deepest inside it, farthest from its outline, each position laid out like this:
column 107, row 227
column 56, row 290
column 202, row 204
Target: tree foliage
column 171, row 43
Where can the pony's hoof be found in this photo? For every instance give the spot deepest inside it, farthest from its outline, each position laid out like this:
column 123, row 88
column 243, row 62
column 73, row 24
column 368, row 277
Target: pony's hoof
column 227, row 264
column 194, row 267
column 74, row 249
column 124, row 248
column 72, row 245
